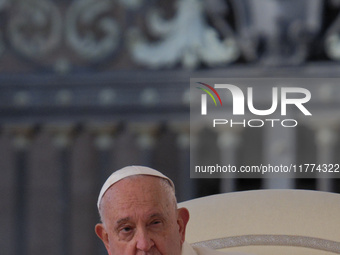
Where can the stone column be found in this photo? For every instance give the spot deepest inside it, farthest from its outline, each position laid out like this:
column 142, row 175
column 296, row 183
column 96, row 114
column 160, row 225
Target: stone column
column 126, row 150
column 279, row 149
column 22, row 144
column 165, row 156
column 186, row 184
column 62, row 141
column 228, row 142
column 326, row 139
column 7, row 194
column 146, row 142
column 104, row 142
column 84, row 193
column 44, row 196
column 206, row 153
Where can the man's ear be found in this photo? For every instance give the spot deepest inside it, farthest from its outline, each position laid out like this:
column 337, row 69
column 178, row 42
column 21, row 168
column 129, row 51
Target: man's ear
column 102, row 234
column 182, row 220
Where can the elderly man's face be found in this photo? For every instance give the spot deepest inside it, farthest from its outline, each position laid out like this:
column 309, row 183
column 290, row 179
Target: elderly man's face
column 139, row 217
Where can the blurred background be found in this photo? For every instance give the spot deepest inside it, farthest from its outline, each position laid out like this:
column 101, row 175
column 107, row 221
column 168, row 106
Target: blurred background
column 87, row 87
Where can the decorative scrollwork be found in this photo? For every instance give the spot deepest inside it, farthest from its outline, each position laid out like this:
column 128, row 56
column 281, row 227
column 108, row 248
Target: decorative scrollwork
column 332, row 39
column 34, row 27
column 3, row 3
column 131, row 4
column 89, row 31
column 277, row 32
column 187, row 38
column 200, row 33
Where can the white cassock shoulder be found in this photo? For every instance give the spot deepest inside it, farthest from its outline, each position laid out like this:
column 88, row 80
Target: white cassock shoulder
column 187, row 249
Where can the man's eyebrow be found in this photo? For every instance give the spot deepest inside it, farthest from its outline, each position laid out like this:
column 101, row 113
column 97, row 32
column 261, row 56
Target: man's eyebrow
column 152, row 216
column 123, row 220
column 157, row 215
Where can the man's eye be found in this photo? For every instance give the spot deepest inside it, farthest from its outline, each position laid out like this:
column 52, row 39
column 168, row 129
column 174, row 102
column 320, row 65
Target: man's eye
column 126, row 229
column 126, row 233
column 156, row 222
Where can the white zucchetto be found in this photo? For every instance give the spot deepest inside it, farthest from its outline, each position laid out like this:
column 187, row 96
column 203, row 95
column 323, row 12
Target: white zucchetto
column 126, row 172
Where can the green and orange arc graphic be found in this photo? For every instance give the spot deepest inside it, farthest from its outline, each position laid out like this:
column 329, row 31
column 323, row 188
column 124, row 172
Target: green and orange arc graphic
column 209, row 93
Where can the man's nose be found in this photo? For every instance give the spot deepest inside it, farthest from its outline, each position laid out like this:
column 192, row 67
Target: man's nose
column 143, row 241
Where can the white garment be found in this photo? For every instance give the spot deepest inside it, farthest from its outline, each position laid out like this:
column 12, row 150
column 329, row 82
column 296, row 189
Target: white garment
column 187, row 249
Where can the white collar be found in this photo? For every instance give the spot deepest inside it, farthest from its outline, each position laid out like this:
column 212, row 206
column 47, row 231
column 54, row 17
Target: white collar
column 187, row 249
